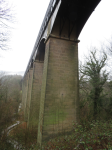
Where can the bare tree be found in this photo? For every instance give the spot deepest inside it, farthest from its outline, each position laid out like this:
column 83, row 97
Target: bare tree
column 5, row 18
column 107, row 47
column 95, row 74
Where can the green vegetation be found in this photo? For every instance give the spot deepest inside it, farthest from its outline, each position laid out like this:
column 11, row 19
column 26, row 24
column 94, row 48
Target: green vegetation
column 85, row 136
column 24, row 136
column 96, row 78
column 9, row 102
column 94, row 130
column 89, row 135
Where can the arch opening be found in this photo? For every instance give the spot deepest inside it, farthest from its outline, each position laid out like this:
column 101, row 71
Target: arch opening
column 41, row 51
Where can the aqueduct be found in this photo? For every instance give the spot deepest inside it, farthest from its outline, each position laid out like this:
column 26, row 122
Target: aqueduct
column 50, row 83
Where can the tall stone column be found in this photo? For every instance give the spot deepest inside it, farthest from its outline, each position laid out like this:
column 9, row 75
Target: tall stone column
column 35, row 95
column 23, row 93
column 59, row 92
column 25, row 96
column 29, row 89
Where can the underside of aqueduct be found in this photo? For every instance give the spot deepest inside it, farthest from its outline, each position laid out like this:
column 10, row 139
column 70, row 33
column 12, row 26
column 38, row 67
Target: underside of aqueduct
column 50, row 84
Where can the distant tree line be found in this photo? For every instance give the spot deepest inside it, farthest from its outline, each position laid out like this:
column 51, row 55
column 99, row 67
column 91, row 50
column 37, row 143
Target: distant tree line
column 10, row 98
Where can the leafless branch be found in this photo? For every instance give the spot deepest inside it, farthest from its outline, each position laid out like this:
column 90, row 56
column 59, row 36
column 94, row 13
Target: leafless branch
column 5, row 18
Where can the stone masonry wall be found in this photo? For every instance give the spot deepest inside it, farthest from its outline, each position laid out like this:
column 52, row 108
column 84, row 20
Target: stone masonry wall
column 25, row 96
column 29, row 92
column 59, row 94
column 23, row 92
column 35, row 95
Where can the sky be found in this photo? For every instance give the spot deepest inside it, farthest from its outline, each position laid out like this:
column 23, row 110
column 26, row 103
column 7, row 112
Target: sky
column 29, row 15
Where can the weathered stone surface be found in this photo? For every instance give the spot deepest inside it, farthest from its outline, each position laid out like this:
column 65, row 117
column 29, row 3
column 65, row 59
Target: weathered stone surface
column 59, row 92
column 35, row 94
column 30, row 78
column 25, row 96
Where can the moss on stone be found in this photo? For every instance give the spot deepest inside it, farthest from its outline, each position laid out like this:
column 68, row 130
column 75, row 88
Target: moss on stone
column 55, row 116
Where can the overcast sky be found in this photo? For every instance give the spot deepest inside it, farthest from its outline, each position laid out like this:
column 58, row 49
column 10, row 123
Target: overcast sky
column 29, row 15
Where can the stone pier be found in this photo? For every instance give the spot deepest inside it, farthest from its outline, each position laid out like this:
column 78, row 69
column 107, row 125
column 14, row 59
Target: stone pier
column 59, row 92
